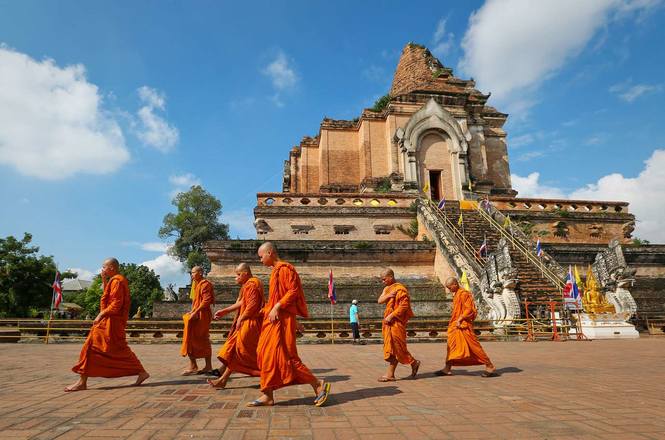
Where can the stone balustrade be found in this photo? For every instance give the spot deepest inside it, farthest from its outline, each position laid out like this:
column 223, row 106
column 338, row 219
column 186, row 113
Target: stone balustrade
column 528, row 204
column 346, row 200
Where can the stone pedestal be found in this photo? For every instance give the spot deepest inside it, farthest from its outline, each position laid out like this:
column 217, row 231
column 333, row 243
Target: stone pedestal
column 606, row 326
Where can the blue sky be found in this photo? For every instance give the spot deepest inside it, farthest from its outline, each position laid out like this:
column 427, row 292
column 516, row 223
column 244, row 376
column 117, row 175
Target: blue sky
column 107, row 109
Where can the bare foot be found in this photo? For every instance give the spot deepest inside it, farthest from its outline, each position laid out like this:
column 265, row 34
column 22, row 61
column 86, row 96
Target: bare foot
column 218, row 384
column 78, row 386
column 189, row 372
column 141, row 378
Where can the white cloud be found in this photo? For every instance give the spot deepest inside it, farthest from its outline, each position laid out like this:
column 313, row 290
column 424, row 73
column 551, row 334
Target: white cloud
column 645, row 193
column 442, row 41
column 155, row 246
column 520, row 141
column 169, row 269
column 530, row 186
column 524, row 157
column 154, row 130
column 512, row 46
column 241, row 223
column 629, row 93
column 83, row 274
column 182, row 183
column 282, row 75
column 53, row 124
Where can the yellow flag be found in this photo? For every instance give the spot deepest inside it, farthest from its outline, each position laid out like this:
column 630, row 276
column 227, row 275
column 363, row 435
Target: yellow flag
column 426, row 187
column 578, row 279
column 506, row 223
column 192, row 292
column 464, row 281
column 460, row 220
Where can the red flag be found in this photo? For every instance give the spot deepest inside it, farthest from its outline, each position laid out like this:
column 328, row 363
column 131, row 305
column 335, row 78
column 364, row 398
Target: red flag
column 57, row 290
column 332, row 296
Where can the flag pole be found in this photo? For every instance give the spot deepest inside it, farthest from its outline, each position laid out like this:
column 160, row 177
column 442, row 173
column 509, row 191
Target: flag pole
column 332, row 323
column 50, row 315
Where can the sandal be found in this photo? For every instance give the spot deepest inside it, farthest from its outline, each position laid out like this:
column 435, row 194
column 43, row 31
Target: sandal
column 443, row 373
column 489, row 374
column 323, row 395
column 414, row 369
column 387, row 379
column 257, row 402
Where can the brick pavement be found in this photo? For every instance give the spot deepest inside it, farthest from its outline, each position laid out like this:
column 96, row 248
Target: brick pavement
column 595, row 390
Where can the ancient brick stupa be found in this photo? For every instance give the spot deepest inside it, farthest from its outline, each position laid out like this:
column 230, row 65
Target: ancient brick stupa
column 368, row 193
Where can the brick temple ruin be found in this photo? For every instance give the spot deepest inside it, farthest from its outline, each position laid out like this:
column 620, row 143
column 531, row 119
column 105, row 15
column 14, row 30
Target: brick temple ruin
column 362, row 195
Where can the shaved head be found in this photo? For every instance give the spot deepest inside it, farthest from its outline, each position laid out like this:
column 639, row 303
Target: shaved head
column 268, row 254
column 197, row 269
column 112, row 262
column 244, row 268
column 268, row 247
column 388, row 272
column 452, row 284
column 387, row 276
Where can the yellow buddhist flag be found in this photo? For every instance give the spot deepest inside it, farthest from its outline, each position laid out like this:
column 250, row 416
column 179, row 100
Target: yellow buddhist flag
column 464, row 281
column 578, row 279
column 460, row 220
column 506, row 221
column 192, row 292
column 426, row 187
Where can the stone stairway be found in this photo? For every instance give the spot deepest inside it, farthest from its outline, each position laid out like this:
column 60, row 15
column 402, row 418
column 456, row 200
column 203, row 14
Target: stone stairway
column 466, row 240
column 532, row 284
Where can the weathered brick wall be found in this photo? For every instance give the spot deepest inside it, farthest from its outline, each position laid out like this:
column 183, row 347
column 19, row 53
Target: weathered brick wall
column 498, row 169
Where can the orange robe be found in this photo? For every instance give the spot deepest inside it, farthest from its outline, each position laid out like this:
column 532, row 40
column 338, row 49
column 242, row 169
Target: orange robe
column 277, row 354
column 463, row 345
column 196, row 334
column 394, row 334
column 239, row 351
column 105, row 352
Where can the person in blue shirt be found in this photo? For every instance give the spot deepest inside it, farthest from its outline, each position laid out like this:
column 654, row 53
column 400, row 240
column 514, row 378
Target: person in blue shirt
column 355, row 321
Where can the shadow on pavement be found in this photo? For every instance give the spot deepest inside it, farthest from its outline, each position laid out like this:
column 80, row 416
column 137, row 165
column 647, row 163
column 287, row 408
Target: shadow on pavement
column 477, row 373
column 322, row 370
column 347, row 396
column 156, row 384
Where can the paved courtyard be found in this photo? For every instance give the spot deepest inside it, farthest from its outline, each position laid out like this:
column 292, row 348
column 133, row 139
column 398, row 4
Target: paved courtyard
column 547, row 390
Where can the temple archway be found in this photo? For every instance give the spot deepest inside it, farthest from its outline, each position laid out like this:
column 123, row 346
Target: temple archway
column 426, row 124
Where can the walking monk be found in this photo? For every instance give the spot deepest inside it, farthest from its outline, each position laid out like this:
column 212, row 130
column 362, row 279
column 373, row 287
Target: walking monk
column 239, row 351
column 463, row 345
column 277, row 354
column 196, row 334
column 398, row 312
column 105, row 353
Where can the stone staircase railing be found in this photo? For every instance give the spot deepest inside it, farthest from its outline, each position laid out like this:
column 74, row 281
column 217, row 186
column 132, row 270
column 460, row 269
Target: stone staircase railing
column 450, row 241
column 550, row 269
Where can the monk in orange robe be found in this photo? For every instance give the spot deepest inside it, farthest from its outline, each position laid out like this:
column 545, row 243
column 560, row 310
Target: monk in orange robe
column 105, row 353
column 196, row 334
column 239, row 351
column 397, row 314
column 277, row 354
column 463, row 345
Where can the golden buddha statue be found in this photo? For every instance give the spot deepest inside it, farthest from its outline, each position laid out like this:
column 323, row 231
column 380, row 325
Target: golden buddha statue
column 594, row 300
column 138, row 313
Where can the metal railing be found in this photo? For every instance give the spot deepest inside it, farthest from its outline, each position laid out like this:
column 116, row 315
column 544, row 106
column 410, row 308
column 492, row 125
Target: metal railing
column 527, row 253
column 34, row 330
column 454, row 231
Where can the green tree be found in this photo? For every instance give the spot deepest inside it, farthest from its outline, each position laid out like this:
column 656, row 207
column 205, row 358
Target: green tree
column 144, row 290
column 196, row 222
column 26, row 278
